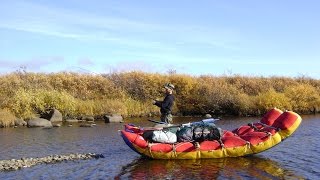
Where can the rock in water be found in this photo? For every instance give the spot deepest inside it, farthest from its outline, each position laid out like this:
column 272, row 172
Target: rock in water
column 15, row 164
column 113, row 118
column 39, row 122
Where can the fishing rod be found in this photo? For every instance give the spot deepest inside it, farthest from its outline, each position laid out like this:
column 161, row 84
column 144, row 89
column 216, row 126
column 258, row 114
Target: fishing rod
column 204, row 121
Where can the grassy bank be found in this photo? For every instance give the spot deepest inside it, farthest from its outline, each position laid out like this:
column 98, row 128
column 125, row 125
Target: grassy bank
column 26, row 94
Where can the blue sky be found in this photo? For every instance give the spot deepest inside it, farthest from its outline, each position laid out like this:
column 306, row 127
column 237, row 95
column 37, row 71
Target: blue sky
column 247, row 37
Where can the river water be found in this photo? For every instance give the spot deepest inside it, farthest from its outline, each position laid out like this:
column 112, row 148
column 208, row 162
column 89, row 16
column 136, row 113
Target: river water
column 298, row 157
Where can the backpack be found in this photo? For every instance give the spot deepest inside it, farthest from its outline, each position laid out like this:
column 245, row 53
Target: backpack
column 185, row 134
column 215, row 133
column 206, row 131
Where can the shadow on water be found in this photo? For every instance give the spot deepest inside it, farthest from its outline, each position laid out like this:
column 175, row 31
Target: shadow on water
column 253, row 167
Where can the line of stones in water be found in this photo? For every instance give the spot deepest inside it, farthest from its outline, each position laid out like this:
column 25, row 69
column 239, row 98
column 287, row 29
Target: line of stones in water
column 15, row 164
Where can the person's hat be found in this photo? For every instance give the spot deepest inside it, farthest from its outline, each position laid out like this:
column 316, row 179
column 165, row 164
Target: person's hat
column 169, row 86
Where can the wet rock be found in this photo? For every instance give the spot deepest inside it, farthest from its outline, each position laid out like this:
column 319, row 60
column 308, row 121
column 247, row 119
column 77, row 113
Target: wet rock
column 15, row 164
column 113, row 118
column 97, row 156
column 56, row 125
column 88, row 118
column 39, row 122
column 56, row 116
column 86, row 125
column 72, row 120
column 20, row 122
column 52, row 115
column 208, row 116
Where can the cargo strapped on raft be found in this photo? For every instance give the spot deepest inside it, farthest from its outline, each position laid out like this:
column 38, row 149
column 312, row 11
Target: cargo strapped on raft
column 189, row 132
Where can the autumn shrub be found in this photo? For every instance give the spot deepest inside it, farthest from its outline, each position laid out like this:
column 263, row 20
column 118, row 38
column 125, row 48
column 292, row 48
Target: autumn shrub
column 225, row 96
column 244, row 105
column 28, row 103
column 9, row 84
column 303, row 97
column 139, row 85
column 76, row 84
column 216, row 97
column 279, row 84
column 185, row 87
column 6, row 118
column 270, row 99
column 22, row 104
column 99, row 107
column 130, row 93
column 126, row 107
column 136, row 108
column 248, row 85
column 59, row 100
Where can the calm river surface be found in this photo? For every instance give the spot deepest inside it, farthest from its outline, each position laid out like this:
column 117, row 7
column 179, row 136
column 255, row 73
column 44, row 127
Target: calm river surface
column 298, row 157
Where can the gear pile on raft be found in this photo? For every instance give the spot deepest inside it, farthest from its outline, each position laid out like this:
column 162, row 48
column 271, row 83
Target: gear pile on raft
column 204, row 140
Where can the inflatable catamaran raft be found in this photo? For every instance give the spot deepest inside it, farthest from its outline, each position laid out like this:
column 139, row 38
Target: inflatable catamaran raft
column 274, row 127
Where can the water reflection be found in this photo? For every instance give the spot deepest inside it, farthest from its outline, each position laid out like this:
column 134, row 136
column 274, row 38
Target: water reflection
column 253, row 167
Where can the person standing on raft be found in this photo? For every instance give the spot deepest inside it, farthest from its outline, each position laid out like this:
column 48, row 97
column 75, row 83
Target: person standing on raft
column 166, row 104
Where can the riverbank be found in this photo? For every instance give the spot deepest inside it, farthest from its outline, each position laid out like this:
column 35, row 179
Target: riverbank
column 27, row 94
column 54, row 118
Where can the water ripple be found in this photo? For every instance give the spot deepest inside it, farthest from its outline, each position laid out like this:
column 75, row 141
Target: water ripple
column 295, row 158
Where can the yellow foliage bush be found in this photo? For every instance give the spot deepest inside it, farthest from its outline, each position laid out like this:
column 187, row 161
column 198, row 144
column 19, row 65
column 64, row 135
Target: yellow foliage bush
column 138, row 85
column 99, row 107
column 244, row 105
column 185, row 86
column 248, row 85
column 130, row 93
column 27, row 103
column 303, row 97
column 6, row 118
column 22, row 104
column 270, row 99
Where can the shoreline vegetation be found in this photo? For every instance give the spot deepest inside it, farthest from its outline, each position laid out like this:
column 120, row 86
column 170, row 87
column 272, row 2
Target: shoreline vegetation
column 25, row 95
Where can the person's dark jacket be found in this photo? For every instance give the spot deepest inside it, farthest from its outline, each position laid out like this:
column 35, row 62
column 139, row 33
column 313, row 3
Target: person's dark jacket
column 166, row 104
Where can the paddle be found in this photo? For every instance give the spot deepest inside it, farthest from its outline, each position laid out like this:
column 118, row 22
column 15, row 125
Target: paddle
column 158, row 122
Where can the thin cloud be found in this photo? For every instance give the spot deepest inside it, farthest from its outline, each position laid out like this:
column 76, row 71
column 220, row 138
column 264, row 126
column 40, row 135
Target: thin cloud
column 125, row 66
column 273, row 62
column 86, row 26
column 34, row 64
column 85, row 62
column 57, row 21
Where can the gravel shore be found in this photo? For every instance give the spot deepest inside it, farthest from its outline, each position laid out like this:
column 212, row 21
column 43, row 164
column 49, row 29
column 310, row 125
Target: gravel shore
column 15, row 164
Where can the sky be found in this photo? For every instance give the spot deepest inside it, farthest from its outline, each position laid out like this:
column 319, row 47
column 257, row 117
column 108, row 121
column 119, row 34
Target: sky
column 206, row 37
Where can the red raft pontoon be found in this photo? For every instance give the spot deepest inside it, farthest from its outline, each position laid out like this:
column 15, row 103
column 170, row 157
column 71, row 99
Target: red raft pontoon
column 274, row 127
